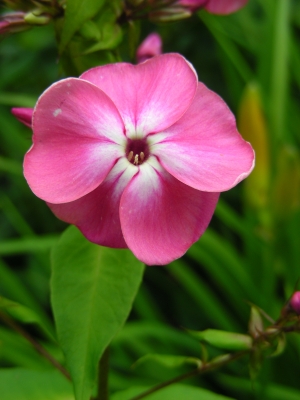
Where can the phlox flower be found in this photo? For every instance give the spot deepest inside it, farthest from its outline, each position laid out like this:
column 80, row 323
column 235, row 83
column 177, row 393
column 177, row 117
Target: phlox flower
column 135, row 155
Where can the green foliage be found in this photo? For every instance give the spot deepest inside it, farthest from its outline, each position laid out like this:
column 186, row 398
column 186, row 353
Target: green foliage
column 250, row 253
column 23, row 314
column 23, row 384
column 92, row 293
column 77, row 12
column 175, row 392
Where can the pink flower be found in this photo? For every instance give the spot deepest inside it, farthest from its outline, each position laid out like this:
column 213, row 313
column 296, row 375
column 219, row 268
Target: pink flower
column 150, row 47
column 214, row 6
column 136, row 155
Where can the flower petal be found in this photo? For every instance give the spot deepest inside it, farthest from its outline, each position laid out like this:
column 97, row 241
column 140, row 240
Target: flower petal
column 150, row 96
column 24, row 115
column 225, row 6
column 78, row 137
column 160, row 216
column 97, row 213
column 203, row 149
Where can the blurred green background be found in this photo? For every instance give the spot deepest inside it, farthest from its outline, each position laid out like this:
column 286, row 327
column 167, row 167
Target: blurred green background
column 251, row 251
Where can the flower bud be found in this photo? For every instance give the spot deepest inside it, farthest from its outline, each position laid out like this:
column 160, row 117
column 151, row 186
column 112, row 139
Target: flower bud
column 12, row 22
column 224, row 7
column 150, row 47
column 175, row 13
column 35, row 18
column 193, row 5
column 24, row 115
column 295, row 302
column 214, row 6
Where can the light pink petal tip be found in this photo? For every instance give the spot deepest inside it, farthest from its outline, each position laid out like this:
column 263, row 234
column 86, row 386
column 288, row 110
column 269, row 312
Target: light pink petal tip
column 161, row 217
column 150, row 96
column 225, row 6
column 24, row 115
column 76, row 133
column 97, row 213
column 150, row 47
column 204, row 149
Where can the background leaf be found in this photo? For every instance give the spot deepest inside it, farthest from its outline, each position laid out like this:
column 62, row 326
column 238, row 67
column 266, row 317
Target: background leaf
column 92, row 293
column 22, row 384
column 174, row 392
column 23, row 314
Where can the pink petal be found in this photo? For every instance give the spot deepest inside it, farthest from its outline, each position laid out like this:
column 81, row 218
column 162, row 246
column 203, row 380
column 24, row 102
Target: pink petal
column 225, row 6
column 24, row 115
column 97, row 213
column 150, row 96
column 160, row 216
column 150, row 47
column 204, row 149
column 78, row 137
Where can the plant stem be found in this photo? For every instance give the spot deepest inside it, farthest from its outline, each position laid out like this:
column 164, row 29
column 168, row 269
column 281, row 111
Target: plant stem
column 103, row 370
column 198, row 371
column 38, row 347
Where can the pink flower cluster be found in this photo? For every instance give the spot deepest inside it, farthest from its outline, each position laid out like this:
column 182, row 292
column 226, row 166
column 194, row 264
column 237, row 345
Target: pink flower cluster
column 135, row 155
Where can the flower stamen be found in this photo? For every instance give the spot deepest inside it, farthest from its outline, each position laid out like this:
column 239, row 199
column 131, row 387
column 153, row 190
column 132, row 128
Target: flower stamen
column 137, row 151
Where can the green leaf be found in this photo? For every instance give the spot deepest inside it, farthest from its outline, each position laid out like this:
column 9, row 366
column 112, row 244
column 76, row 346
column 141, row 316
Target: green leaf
column 169, row 361
column 93, row 289
column 223, row 339
column 77, row 12
column 23, row 314
column 27, row 245
column 34, row 385
column 12, row 286
column 105, row 31
column 174, row 392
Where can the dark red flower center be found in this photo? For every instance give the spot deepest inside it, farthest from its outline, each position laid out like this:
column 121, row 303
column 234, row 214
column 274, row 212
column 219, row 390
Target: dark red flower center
column 137, row 151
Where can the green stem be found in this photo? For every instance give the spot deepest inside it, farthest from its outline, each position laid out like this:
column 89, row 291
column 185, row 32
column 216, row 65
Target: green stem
column 279, row 76
column 103, row 393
